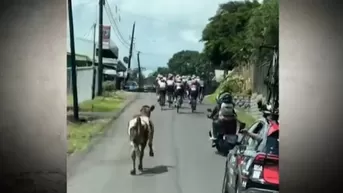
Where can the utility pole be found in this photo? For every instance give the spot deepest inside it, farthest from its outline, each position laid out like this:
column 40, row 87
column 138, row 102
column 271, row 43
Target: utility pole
column 139, row 72
column 131, row 48
column 73, row 63
column 93, row 62
column 100, row 67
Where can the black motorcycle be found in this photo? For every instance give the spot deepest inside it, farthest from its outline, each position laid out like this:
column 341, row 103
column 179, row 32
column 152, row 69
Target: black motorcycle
column 224, row 143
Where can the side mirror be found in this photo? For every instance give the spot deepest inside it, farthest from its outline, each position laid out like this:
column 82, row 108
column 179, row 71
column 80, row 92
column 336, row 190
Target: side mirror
column 209, row 110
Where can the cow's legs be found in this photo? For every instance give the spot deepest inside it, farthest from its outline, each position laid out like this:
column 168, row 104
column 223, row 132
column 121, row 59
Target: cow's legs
column 134, row 153
column 141, row 156
column 150, row 139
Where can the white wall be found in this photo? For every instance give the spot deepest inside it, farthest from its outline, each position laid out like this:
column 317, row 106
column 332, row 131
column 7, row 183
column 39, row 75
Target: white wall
column 84, row 83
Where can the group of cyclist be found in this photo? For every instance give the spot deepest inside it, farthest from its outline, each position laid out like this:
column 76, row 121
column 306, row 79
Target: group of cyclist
column 174, row 86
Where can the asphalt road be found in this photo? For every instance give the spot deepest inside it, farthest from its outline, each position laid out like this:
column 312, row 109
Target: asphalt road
column 184, row 161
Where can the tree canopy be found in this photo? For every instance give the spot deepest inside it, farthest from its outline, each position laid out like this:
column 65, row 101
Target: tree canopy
column 231, row 38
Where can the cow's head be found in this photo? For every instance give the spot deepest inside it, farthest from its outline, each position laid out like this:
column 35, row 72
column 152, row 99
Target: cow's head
column 146, row 110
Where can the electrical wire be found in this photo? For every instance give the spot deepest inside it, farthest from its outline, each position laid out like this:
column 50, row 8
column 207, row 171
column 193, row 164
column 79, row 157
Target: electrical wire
column 111, row 17
column 115, row 32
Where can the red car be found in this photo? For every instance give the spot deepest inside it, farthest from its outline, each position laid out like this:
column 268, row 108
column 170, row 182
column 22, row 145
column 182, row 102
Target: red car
column 253, row 166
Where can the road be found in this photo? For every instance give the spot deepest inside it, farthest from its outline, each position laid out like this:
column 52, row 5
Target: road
column 184, row 162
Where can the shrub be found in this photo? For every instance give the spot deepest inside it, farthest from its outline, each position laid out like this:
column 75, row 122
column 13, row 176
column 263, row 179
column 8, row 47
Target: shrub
column 109, row 86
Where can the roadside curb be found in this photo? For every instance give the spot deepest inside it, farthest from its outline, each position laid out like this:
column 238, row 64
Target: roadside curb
column 75, row 158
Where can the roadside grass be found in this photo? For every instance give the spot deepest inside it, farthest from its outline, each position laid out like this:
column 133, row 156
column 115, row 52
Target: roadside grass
column 211, row 98
column 246, row 118
column 80, row 134
column 108, row 103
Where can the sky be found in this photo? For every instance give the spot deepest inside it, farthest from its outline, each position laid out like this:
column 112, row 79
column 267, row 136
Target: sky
column 163, row 27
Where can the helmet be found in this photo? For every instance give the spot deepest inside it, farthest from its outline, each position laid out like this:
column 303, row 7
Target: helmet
column 227, row 98
column 222, row 95
column 164, row 78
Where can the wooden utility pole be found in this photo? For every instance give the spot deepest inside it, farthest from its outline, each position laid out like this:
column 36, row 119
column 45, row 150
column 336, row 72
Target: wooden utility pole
column 130, row 52
column 100, row 67
column 73, row 62
column 93, row 62
column 140, row 80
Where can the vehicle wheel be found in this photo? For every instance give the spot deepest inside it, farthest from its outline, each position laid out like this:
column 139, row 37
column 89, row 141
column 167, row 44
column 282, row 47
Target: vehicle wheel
column 225, row 181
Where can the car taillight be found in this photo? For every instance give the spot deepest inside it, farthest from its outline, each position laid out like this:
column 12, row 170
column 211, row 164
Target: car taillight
column 266, row 168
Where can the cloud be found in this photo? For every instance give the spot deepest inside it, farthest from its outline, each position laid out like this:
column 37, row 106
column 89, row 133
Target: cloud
column 190, row 35
column 163, row 27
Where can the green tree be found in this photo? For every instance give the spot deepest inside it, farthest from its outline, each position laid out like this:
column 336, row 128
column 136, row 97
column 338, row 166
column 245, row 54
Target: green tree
column 237, row 30
column 188, row 62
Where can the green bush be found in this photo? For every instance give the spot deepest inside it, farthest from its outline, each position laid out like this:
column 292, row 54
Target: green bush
column 109, row 86
column 233, row 84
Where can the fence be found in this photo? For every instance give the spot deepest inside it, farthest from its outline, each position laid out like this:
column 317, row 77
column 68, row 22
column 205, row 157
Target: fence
column 259, row 74
column 84, row 83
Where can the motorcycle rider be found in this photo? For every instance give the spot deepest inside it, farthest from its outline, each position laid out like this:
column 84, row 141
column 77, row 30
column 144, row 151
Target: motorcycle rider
column 224, row 116
column 224, row 98
column 170, row 87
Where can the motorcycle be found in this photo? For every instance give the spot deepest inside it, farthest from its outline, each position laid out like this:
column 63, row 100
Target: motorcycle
column 224, row 143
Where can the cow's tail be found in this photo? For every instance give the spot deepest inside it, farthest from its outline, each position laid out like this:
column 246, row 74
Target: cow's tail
column 138, row 125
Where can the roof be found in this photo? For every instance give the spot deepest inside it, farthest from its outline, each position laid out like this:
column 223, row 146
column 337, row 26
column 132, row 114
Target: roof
column 80, row 57
column 109, row 50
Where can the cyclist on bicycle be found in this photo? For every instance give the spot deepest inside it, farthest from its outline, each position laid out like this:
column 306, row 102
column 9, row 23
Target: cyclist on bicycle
column 170, row 87
column 162, row 87
column 193, row 90
column 179, row 89
column 201, row 88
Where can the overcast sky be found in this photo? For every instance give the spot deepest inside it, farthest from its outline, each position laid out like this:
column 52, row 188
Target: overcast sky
column 163, row 27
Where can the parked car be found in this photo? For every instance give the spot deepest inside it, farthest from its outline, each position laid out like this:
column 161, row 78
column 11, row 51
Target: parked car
column 149, row 88
column 131, row 86
column 253, row 166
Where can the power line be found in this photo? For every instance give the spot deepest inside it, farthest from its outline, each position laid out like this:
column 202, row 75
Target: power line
column 114, row 21
column 110, row 17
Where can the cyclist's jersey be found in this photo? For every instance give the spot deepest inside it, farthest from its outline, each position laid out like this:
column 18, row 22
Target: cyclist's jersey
column 162, row 85
column 178, row 85
column 201, row 83
column 189, row 83
column 170, row 83
column 193, row 87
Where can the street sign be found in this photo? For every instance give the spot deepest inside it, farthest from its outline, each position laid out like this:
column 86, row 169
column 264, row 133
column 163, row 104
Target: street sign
column 106, row 35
